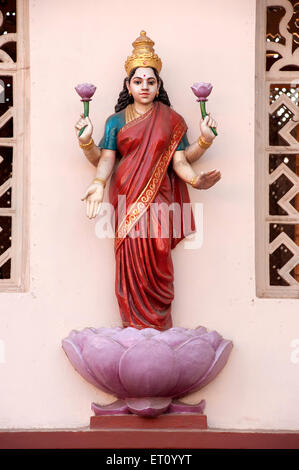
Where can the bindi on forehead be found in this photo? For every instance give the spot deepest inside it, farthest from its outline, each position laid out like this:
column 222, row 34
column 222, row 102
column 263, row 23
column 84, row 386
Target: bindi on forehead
column 145, row 77
column 144, row 73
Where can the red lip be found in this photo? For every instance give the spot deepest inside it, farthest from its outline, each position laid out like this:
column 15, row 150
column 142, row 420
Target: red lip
column 144, row 94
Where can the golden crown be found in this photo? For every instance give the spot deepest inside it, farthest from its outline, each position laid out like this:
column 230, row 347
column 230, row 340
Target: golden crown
column 143, row 54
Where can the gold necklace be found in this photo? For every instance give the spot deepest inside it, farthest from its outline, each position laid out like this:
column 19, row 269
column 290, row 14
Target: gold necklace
column 141, row 114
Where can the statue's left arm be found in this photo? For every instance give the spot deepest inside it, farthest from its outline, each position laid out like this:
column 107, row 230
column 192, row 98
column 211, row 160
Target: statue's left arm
column 185, row 171
column 195, row 150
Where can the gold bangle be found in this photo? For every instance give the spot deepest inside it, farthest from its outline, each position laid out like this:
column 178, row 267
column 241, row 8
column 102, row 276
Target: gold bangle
column 100, row 180
column 208, row 142
column 88, row 145
column 203, row 143
column 193, row 180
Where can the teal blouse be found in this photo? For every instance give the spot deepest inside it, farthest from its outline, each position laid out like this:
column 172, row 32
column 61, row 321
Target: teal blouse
column 114, row 124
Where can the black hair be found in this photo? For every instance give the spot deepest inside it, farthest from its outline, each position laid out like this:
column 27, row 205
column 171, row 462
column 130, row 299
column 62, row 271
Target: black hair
column 124, row 98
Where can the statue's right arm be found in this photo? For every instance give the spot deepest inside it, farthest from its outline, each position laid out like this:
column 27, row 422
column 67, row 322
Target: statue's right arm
column 91, row 152
column 93, row 155
column 95, row 192
column 105, row 164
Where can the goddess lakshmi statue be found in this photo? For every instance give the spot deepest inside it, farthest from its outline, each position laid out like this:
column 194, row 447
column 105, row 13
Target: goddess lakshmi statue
column 146, row 149
column 147, row 364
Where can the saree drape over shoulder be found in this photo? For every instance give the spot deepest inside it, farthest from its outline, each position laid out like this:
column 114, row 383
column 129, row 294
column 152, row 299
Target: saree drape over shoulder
column 142, row 188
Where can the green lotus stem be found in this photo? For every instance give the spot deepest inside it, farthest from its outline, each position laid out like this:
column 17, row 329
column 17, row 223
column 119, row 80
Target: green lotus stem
column 204, row 114
column 86, row 113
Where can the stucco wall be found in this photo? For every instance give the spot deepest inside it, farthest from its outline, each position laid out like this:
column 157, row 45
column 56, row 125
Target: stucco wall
column 72, row 271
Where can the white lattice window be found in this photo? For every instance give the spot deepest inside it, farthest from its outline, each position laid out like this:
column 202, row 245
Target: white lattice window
column 14, row 140
column 277, row 148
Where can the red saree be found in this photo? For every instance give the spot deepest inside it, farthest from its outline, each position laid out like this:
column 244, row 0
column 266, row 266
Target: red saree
column 144, row 234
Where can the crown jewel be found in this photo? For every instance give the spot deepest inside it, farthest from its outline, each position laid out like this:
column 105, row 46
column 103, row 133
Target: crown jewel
column 143, row 54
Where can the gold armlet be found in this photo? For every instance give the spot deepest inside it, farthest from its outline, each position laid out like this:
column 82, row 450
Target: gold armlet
column 203, row 143
column 100, row 180
column 87, row 146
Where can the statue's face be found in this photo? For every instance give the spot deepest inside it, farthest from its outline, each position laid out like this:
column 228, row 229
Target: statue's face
column 143, row 85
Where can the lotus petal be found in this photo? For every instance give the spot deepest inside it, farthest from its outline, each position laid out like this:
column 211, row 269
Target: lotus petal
column 213, row 338
column 115, row 408
column 128, row 337
column 216, row 366
column 173, row 338
column 150, row 407
column 149, row 332
column 181, row 407
column 193, row 359
column 75, row 357
column 199, row 330
column 102, row 355
column 148, row 369
column 108, row 331
column 80, row 337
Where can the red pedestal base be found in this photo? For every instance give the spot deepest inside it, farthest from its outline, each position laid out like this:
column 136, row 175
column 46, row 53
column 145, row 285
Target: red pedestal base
column 171, row 421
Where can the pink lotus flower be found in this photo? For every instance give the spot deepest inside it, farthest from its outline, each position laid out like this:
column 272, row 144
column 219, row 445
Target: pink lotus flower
column 202, row 90
column 85, row 90
column 147, row 368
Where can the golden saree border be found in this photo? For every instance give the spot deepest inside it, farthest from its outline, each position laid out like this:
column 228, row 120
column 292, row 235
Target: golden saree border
column 146, row 197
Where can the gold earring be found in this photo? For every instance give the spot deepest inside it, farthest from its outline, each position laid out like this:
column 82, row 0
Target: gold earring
column 130, row 94
column 157, row 94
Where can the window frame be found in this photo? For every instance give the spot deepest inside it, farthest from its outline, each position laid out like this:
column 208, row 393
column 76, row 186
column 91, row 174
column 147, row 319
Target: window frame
column 263, row 79
column 19, row 210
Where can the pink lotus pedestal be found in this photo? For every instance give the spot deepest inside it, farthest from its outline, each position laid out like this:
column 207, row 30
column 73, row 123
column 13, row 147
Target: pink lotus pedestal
column 147, row 370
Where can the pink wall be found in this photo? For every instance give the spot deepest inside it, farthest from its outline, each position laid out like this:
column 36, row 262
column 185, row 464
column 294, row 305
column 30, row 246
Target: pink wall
column 72, row 271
